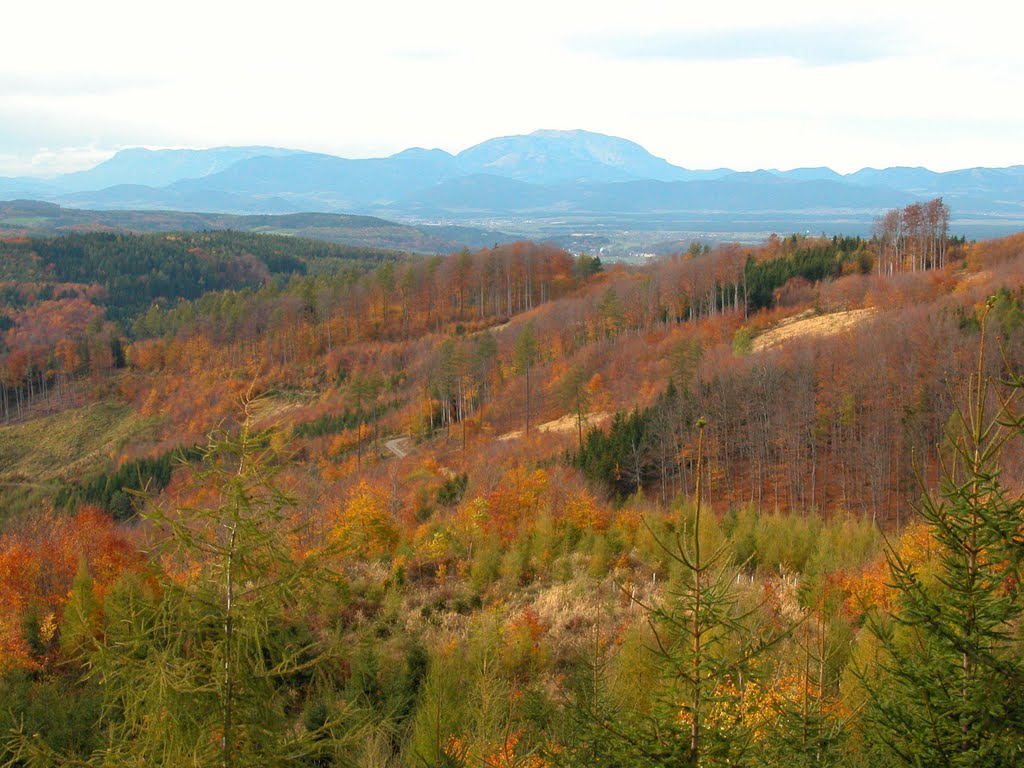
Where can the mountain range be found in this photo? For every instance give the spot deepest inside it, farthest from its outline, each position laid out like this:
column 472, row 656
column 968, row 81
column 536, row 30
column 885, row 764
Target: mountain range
column 563, row 176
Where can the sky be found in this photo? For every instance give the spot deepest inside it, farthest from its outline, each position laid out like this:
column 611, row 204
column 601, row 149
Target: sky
column 743, row 85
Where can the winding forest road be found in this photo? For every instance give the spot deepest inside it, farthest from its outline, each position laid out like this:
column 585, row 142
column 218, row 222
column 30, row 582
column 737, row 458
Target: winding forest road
column 397, row 447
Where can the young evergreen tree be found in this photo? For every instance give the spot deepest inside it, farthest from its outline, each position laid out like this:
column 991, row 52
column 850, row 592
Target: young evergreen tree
column 948, row 684
column 205, row 662
column 574, row 397
column 525, row 356
column 708, row 650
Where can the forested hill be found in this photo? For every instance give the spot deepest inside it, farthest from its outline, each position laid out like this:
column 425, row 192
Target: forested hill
column 461, row 510
column 126, row 274
column 32, row 217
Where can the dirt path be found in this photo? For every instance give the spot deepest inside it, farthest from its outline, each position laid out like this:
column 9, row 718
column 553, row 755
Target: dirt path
column 565, row 424
column 809, row 324
column 398, row 446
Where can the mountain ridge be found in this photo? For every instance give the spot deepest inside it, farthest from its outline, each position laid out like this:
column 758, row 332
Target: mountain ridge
column 574, row 173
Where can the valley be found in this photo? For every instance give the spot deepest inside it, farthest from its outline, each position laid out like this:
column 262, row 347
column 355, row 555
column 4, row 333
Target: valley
column 471, row 492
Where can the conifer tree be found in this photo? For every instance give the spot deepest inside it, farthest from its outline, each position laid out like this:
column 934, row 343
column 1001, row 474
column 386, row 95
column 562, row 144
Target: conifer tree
column 205, row 661
column 525, row 356
column 708, row 649
column 948, row 686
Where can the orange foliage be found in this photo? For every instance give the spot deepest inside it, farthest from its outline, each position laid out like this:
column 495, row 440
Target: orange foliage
column 582, row 511
column 504, row 755
column 38, row 564
column 516, row 501
column 870, row 589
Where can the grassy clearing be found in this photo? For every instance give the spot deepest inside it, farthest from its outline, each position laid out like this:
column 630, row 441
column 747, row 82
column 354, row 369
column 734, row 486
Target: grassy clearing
column 66, row 444
column 806, row 324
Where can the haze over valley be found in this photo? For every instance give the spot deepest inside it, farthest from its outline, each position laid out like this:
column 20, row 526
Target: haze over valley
column 583, row 190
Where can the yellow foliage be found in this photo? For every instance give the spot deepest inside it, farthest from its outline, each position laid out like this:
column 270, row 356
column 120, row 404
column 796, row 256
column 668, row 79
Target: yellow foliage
column 364, row 527
column 871, row 588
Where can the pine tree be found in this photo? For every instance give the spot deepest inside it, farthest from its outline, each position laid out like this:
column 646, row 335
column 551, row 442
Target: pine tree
column 708, row 650
column 948, row 687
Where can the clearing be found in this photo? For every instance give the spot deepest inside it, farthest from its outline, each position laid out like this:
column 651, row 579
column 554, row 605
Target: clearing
column 65, row 443
column 809, row 324
column 398, row 446
column 565, row 424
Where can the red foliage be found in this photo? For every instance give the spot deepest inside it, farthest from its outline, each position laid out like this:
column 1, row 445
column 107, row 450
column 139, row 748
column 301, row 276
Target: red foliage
column 38, row 563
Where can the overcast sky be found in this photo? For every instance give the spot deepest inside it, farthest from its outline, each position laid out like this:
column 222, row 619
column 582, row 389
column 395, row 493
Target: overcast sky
column 744, row 84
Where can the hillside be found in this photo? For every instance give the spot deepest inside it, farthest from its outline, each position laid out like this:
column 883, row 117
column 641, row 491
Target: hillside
column 485, row 489
column 32, row 217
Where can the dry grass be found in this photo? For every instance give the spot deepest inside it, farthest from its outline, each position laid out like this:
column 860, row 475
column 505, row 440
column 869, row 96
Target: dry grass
column 809, row 324
column 564, row 424
column 67, row 443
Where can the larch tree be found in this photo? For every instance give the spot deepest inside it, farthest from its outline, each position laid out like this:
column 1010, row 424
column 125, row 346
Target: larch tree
column 525, row 356
column 574, row 397
column 201, row 662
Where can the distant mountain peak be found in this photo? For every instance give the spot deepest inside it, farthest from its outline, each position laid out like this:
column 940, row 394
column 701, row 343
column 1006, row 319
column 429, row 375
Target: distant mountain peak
column 160, row 167
column 552, row 156
column 418, row 152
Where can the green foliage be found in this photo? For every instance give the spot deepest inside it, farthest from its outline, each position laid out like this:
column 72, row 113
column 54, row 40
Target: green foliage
column 452, row 489
column 587, row 266
column 349, row 418
column 813, row 263
column 793, row 543
column 948, row 684
column 574, row 397
column 525, row 355
column 742, row 342
column 136, row 269
column 57, row 710
column 526, row 351
column 611, row 311
column 618, row 459
column 40, row 451
column 114, row 491
column 704, row 640
column 206, row 666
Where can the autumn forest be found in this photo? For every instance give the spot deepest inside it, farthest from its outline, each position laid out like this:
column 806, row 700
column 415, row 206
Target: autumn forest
column 274, row 501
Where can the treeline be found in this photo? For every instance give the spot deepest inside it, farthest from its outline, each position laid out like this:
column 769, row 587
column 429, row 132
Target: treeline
column 76, row 300
column 116, row 491
column 811, row 261
column 136, row 269
column 914, row 238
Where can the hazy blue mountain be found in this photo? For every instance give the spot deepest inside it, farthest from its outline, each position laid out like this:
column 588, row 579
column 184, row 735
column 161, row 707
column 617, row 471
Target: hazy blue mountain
column 138, row 197
column 970, row 189
column 335, row 182
column 160, row 167
column 553, row 157
column 545, row 174
column 900, row 177
column 28, row 188
column 809, row 174
column 486, row 195
column 480, row 193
